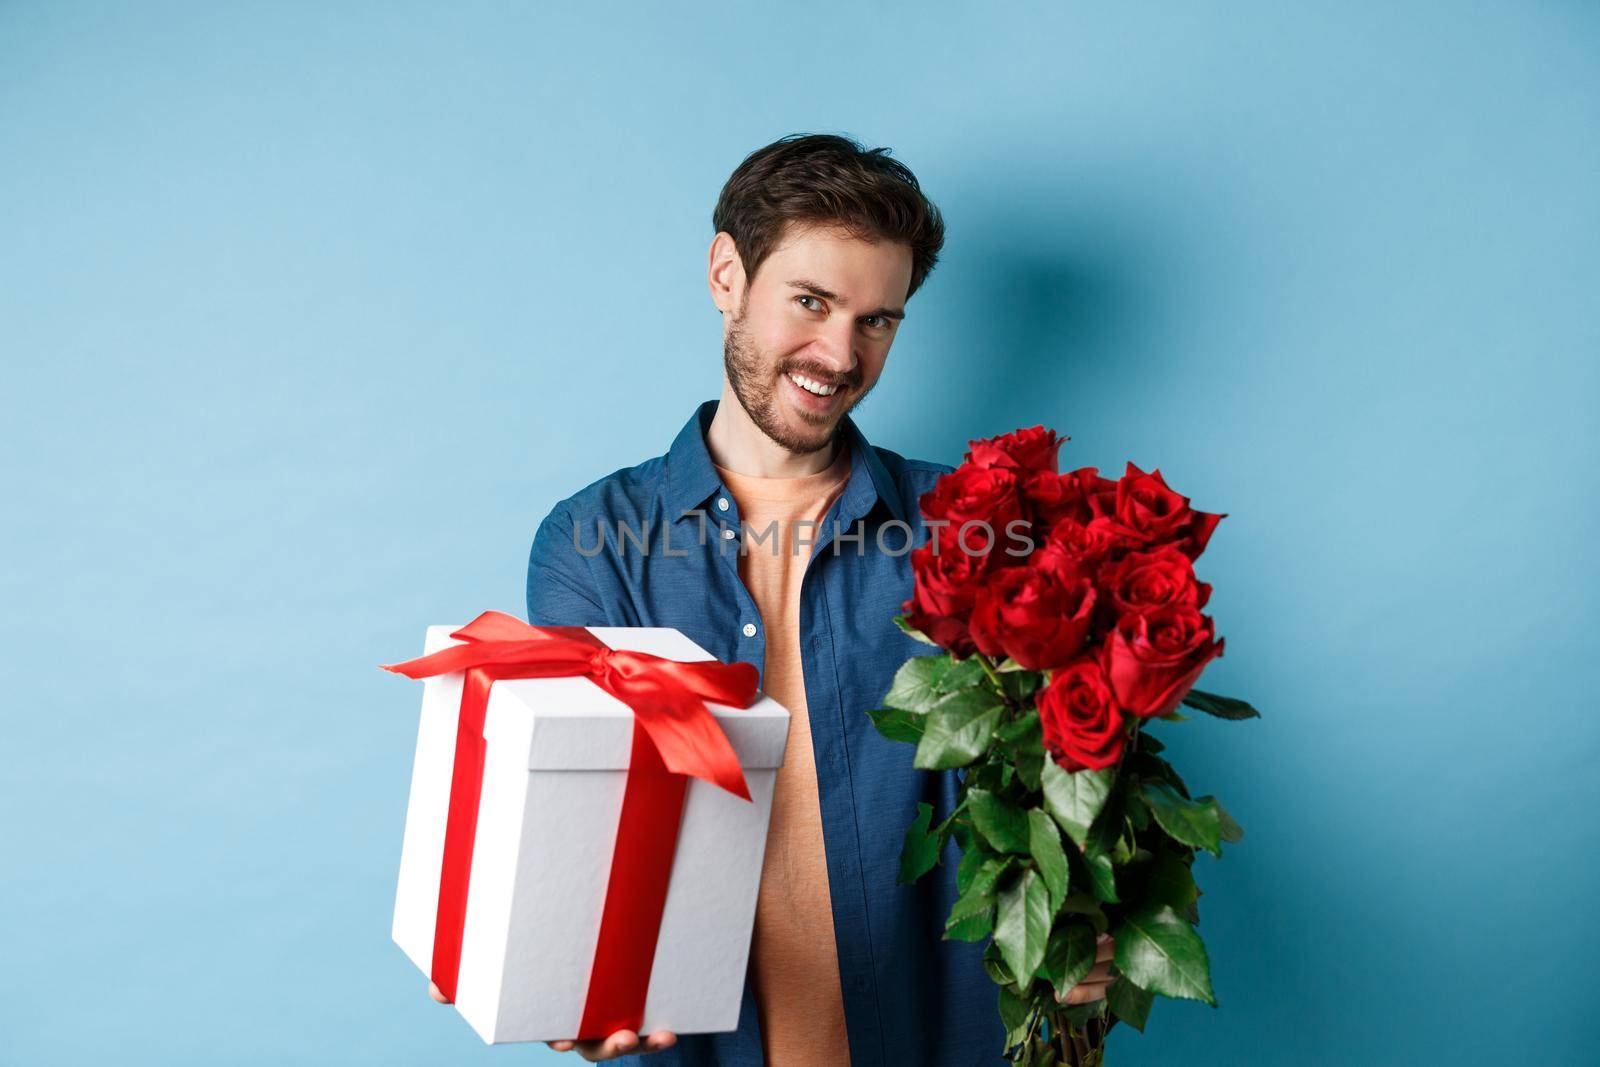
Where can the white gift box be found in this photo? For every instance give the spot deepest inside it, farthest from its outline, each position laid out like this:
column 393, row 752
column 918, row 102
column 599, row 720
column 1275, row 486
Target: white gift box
column 555, row 766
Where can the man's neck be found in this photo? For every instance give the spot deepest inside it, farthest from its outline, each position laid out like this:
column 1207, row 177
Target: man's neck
column 737, row 444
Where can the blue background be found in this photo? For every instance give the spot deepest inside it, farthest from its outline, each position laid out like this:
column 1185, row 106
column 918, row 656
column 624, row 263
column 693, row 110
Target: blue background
column 309, row 314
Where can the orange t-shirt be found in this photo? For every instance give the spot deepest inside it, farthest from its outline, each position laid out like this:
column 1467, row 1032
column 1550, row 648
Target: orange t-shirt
column 794, row 962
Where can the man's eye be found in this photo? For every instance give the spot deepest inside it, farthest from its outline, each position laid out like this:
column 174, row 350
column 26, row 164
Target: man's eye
column 804, row 298
column 877, row 322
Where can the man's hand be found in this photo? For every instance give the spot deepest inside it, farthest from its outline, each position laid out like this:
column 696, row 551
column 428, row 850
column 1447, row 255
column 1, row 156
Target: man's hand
column 618, row 1044
column 1093, row 986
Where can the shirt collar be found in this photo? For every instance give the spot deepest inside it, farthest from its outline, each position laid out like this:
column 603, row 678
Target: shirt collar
column 691, row 478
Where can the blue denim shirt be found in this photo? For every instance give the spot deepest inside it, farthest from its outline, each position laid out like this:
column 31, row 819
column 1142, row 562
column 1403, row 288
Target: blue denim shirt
column 910, row 997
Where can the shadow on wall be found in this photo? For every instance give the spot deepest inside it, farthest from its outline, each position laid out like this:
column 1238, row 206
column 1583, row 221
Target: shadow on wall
column 1044, row 314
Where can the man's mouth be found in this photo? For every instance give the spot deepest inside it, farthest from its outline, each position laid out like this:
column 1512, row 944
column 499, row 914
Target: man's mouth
column 811, row 385
column 811, row 394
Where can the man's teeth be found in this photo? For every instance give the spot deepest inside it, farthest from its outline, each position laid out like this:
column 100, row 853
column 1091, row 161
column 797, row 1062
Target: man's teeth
column 812, row 386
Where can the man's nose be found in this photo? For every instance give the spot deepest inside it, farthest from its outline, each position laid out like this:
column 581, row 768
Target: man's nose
column 835, row 350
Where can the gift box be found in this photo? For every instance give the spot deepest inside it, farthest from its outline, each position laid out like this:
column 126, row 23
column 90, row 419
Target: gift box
column 585, row 831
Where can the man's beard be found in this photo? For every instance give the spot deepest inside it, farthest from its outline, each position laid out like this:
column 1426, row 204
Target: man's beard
column 754, row 381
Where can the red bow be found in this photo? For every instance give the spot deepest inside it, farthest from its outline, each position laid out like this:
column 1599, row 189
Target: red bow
column 674, row 736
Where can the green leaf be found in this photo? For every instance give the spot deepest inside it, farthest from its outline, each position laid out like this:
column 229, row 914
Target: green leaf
column 1230, row 831
column 1108, row 832
column 1044, row 845
column 1123, row 853
column 995, row 967
column 1195, row 823
column 1008, row 665
column 1020, row 728
column 897, row 724
column 1159, row 951
column 999, row 822
column 979, row 895
column 1013, row 1015
column 972, row 861
column 1168, row 881
column 1138, row 811
column 1069, row 956
column 915, row 685
column 1129, row 1003
column 973, row 929
column 1220, row 706
column 1151, row 766
column 963, row 674
column 959, row 729
column 1022, row 923
column 947, row 827
column 1101, row 874
column 1149, row 743
column 1074, row 798
column 912, row 632
column 1030, row 765
column 1021, row 685
column 920, row 850
column 1086, row 905
column 966, row 840
column 990, row 775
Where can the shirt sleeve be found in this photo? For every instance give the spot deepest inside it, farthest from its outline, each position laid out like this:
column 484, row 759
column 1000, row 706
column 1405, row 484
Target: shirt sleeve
column 561, row 590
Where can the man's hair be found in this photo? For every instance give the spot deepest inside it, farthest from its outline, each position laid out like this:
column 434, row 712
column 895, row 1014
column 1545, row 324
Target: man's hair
column 824, row 179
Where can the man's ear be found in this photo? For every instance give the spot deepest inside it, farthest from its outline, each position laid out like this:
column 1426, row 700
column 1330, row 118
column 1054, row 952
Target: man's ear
column 725, row 273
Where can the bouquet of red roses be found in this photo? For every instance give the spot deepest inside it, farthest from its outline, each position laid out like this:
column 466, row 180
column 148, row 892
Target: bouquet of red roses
column 1070, row 617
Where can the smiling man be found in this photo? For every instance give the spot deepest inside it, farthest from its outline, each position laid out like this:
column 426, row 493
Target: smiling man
column 774, row 533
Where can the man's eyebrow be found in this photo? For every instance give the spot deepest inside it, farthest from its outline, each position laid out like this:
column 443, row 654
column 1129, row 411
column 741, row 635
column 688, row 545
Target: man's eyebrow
column 823, row 294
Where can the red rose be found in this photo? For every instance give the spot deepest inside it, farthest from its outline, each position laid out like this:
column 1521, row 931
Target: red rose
column 1079, row 716
column 1033, row 449
column 987, row 498
column 1075, row 546
column 1149, row 512
column 1039, row 616
column 1141, row 583
column 1052, row 497
column 1199, row 532
column 1049, row 497
column 1117, row 538
column 944, row 587
column 1099, row 494
column 1154, row 660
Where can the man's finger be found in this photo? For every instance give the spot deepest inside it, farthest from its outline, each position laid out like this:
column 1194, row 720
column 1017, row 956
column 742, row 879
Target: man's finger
column 1085, row 992
column 618, row 1044
column 1088, row 989
column 1105, row 948
column 561, row 1046
column 659, row 1040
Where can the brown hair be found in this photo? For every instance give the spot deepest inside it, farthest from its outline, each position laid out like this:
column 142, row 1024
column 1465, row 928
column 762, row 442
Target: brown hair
column 822, row 178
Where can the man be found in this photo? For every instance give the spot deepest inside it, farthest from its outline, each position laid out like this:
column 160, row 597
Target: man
column 775, row 534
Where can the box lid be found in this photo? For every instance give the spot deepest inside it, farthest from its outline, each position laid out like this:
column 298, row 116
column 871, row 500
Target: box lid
column 573, row 724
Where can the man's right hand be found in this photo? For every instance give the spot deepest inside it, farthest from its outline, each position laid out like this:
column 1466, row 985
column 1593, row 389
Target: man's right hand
column 618, row 1044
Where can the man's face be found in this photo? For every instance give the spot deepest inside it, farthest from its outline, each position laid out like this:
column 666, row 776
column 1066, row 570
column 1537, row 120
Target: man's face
column 818, row 318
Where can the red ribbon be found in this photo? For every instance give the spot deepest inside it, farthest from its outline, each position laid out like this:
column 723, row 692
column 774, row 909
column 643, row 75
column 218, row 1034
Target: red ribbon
column 674, row 736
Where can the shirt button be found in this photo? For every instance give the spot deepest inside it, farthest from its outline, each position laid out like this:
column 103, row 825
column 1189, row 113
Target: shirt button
column 727, row 533
column 749, row 629
column 722, row 503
